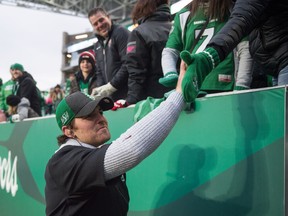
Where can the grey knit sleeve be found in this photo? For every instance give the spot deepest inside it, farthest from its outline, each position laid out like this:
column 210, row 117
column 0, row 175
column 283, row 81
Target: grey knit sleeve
column 169, row 60
column 22, row 108
column 140, row 140
column 244, row 74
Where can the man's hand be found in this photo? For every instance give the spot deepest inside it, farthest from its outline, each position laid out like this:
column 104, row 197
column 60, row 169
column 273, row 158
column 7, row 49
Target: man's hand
column 183, row 68
column 199, row 66
column 120, row 104
column 104, row 90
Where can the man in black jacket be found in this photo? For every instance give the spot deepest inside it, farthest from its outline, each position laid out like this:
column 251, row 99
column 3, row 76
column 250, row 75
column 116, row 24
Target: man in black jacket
column 26, row 87
column 86, row 176
column 110, row 51
column 266, row 22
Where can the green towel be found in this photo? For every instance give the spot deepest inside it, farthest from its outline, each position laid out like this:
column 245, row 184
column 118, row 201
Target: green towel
column 142, row 108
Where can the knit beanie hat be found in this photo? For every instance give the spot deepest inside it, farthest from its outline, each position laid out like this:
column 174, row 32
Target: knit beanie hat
column 88, row 55
column 13, row 100
column 17, row 66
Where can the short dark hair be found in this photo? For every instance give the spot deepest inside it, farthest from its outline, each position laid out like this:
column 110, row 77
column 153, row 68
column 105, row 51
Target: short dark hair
column 13, row 100
column 97, row 10
column 57, row 86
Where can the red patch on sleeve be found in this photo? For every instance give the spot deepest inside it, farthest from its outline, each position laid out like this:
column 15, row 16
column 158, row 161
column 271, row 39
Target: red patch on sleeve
column 131, row 48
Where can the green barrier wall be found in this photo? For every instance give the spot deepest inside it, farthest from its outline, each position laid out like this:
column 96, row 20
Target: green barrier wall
column 226, row 158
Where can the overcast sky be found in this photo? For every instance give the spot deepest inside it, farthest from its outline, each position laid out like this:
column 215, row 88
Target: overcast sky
column 34, row 39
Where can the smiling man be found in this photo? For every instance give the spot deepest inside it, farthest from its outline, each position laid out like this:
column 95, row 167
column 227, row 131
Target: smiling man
column 110, row 51
column 86, row 176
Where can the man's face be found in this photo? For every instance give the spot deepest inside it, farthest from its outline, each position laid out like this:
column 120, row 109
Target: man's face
column 101, row 24
column 92, row 129
column 11, row 72
column 16, row 74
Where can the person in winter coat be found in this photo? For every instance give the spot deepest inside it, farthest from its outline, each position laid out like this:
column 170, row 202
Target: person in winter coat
column 19, row 108
column 145, row 45
column 193, row 28
column 110, row 51
column 26, row 87
column 265, row 21
column 57, row 95
column 85, row 79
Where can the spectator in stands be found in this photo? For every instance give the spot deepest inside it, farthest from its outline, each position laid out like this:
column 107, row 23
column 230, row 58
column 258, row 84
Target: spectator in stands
column 19, row 108
column 70, row 78
column 266, row 23
column 57, row 96
column 86, row 176
column 193, row 27
column 7, row 89
column 110, row 50
column 2, row 114
column 85, row 78
column 49, row 107
column 26, row 87
column 145, row 45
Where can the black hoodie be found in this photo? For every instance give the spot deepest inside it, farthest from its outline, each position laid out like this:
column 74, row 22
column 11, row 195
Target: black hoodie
column 26, row 87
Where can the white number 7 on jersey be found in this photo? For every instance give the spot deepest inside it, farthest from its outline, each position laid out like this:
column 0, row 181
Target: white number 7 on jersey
column 207, row 32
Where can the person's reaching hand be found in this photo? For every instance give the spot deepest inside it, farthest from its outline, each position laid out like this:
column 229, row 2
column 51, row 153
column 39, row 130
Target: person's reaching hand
column 104, row 90
column 199, row 66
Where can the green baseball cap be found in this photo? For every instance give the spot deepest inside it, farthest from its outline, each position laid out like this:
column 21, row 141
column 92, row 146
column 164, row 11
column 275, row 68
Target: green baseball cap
column 78, row 105
column 17, row 66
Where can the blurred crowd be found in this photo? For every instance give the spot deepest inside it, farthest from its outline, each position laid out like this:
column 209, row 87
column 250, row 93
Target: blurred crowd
column 20, row 98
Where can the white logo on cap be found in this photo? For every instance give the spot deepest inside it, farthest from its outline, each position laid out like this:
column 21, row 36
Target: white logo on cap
column 64, row 117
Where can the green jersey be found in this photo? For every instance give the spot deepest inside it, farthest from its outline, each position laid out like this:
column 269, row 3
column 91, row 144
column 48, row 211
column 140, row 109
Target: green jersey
column 84, row 86
column 67, row 87
column 6, row 90
column 182, row 36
